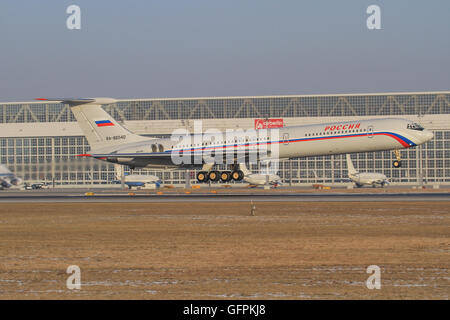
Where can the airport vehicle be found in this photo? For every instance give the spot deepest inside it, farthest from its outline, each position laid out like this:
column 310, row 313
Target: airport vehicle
column 8, row 179
column 39, row 185
column 27, row 186
column 259, row 179
column 365, row 178
column 112, row 142
column 140, row 181
column 35, row 186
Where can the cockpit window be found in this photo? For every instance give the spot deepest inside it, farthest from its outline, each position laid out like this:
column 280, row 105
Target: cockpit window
column 415, row 126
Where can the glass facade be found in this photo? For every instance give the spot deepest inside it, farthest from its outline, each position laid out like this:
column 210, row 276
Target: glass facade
column 243, row 107
column 53, row 158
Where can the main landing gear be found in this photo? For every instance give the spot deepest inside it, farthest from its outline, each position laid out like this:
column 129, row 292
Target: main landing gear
column 224, row 176
column 397, row 163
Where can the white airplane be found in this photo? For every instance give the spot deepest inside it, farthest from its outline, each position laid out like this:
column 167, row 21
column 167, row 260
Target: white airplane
column 8, row 179
column 134, row 180
column 259, row 179
column 365, row 178
column 111, row 142
column 139, row 180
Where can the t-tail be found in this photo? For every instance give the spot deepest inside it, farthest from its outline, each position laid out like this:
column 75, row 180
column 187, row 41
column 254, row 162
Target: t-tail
column 100, row 129
column 350, row 168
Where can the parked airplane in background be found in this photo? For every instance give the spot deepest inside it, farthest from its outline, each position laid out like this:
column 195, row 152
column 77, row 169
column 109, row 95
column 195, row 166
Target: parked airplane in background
column 259, row 179
column 139, row 180
column 365, row 178
column 135, row 180
column 112, row 142
column 8, row 179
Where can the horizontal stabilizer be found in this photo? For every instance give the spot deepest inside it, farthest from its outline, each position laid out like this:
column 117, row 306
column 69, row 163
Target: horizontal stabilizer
column 78, row 101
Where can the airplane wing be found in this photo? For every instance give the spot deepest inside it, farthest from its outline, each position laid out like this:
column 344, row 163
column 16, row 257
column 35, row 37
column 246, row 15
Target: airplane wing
column 169, row 154
column 343, row 180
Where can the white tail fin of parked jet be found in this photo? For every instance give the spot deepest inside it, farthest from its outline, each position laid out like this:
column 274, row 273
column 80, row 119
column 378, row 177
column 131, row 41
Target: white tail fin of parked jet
column 351, row 169
column 100, row 129
column 244, row 169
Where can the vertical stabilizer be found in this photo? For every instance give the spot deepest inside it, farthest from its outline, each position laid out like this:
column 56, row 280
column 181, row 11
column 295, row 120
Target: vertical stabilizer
column 351, row 169
column 244, row 169
column 101, row 130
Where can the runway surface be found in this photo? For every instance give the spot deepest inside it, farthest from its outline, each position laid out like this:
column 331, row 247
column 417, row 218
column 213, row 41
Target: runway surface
column 216, row 196
column 213, row 250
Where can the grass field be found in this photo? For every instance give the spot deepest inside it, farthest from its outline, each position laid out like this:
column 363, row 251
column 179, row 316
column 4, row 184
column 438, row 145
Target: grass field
column 289, row 250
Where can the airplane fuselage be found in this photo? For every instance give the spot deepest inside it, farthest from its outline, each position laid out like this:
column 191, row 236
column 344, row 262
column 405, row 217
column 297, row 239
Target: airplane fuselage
column 289, row 142
column 368, row 178
column 263, row 179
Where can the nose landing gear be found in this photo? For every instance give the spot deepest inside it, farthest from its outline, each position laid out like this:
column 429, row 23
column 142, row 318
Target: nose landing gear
column 397, row 163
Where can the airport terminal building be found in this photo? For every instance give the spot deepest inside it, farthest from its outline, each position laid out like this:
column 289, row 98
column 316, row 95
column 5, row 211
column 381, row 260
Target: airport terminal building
column 39, row 141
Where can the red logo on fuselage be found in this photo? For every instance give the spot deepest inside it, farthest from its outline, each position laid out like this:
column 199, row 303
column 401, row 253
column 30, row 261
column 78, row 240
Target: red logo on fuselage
column 268, row 123
column 343, row 127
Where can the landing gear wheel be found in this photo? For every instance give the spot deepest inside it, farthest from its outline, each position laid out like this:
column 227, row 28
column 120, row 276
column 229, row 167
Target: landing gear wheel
column 237, row 175
column 225, row 176
column 214, row 176
column 202, row 177
column 397, row 163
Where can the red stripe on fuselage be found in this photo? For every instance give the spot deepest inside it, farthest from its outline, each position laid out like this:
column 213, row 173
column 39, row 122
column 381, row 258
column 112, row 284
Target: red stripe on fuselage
column 403, row 143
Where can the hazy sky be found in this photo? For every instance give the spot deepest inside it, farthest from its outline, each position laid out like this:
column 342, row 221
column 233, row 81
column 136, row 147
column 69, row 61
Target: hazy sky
column 169, row 48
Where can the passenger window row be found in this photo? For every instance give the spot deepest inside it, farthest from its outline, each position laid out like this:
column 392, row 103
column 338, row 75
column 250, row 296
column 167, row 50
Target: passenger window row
column 316, row 134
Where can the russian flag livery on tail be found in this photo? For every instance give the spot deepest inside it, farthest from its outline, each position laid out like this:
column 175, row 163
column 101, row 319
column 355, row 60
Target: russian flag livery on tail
column 103, row 123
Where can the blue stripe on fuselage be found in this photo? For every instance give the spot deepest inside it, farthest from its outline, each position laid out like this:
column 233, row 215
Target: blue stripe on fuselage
column 406, row 140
